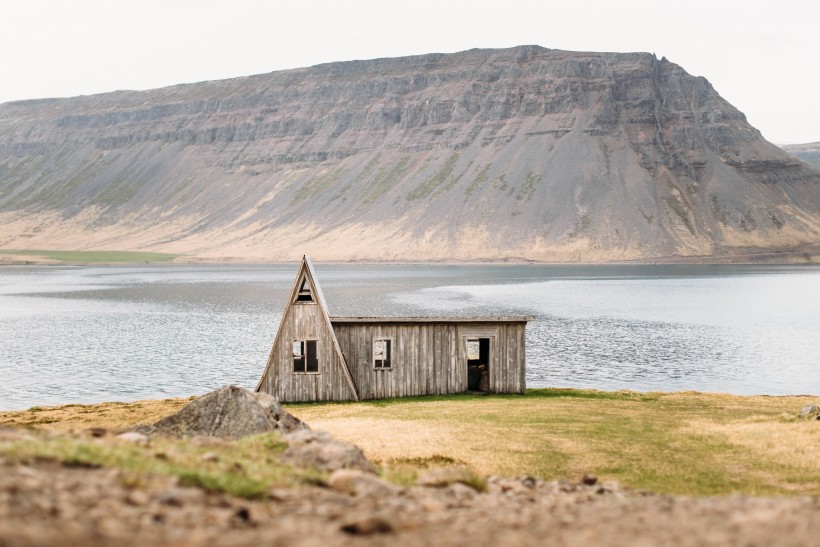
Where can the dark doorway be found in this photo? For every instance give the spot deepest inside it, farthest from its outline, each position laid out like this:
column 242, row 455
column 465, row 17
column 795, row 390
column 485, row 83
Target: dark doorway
column 478, row 364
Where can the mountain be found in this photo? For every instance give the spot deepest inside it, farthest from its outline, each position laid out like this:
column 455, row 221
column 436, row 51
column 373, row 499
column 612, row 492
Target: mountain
column 810, row 152
column 521, row 153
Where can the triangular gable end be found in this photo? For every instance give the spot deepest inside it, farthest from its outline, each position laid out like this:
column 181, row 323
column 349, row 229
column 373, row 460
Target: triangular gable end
column 306, row 290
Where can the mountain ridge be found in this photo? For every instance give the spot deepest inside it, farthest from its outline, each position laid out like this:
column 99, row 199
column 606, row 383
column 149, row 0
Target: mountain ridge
column 484, row 154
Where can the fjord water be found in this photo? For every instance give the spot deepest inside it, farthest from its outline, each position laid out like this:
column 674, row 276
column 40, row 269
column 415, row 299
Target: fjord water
column 89, row 334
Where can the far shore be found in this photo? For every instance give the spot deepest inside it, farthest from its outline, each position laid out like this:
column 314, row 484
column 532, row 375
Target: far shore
column 809, row 255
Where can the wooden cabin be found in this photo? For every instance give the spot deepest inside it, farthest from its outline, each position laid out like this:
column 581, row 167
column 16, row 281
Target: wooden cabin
column 316, row 357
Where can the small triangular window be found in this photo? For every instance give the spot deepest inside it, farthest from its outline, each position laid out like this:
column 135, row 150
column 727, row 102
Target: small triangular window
column 304, row 294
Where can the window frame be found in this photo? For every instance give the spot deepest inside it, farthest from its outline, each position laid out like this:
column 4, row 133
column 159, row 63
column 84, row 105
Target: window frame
column 304, row 294
column 389, row 360
column 304, row 355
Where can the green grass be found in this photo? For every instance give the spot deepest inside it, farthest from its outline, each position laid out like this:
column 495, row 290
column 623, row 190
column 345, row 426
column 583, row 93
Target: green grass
column 92, row 257
column 683, row 443
column 247, row 468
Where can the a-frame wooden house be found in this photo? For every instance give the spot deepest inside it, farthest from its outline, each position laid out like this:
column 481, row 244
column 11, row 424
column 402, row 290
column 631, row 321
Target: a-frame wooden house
column 316, row 357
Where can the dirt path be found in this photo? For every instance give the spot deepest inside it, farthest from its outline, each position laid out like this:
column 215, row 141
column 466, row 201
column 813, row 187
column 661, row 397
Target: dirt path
column 46, row 503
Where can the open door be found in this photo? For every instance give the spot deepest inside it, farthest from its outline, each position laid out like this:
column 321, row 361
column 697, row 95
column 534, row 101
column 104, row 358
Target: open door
column 478, row 364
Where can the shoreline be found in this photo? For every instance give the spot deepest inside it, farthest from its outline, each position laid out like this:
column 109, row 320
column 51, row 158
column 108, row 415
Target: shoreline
column 529, row 391
column 807, row 254
column 760, row 259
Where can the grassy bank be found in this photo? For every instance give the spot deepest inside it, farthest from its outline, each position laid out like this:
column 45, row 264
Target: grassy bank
column 87, row 257
column 684, row 443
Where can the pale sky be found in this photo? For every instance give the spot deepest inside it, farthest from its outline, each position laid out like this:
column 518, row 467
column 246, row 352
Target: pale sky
column 763, row 57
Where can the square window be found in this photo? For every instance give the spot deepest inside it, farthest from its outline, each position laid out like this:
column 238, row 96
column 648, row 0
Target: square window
column 382, row 352
column 305, row 356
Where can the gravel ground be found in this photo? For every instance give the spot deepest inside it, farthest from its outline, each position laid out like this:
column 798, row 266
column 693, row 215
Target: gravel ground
column 46, row 503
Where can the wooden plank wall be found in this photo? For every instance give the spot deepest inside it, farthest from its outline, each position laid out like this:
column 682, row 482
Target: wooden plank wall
column 431, row 358
column 305, row 322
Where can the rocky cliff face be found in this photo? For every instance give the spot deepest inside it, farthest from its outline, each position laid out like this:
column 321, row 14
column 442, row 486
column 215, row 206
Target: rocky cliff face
column 485, row 154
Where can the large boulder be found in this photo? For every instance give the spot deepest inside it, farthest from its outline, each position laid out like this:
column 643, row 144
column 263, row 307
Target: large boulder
column 230, row 412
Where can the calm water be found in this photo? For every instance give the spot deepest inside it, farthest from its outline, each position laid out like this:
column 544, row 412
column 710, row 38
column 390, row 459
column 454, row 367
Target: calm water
column 87, row 334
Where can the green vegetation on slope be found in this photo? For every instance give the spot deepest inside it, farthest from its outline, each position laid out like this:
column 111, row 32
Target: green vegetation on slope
column 92, row 257
column 432, row 183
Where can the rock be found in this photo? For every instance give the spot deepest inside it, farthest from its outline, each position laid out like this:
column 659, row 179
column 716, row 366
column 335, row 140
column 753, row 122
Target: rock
column 810, row 411
column 137, row 498
column 133, row 437
column 589, row 480
column 368, row 525
column 444, row 476
column 180, row 496
column 230, row 412
column 285, row 421
column 359, row 483
column 314, row 449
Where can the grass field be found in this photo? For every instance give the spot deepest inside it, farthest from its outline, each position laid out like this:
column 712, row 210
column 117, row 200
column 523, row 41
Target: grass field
column 682, row 443
column 89, row 257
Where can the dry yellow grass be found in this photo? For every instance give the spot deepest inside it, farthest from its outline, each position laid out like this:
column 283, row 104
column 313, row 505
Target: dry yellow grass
column 690, row 442
column 75, row 417
column 685, row 443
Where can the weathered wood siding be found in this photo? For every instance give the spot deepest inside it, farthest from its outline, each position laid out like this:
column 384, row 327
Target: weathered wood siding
column 431, row 358
column 305, row 322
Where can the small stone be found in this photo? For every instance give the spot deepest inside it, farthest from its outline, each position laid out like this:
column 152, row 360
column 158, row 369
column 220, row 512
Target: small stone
column 282, row 494
column 810, row 411
column 137, row 498
column 97, row 431
column 444, row 476
column 178, row 497
column 359, row 483
column 461, row 492
column 242, row 515
column 318, row 450
column 432, row 505
column 511, row 486
column 133, row 437
column 529, row 482
column 589, row 480
column 368, row 526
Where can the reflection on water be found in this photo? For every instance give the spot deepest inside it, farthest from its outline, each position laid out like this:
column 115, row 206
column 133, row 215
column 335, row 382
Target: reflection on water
column 122, row 333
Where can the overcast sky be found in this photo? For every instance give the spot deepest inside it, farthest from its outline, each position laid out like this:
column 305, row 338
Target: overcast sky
column 763, row 57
